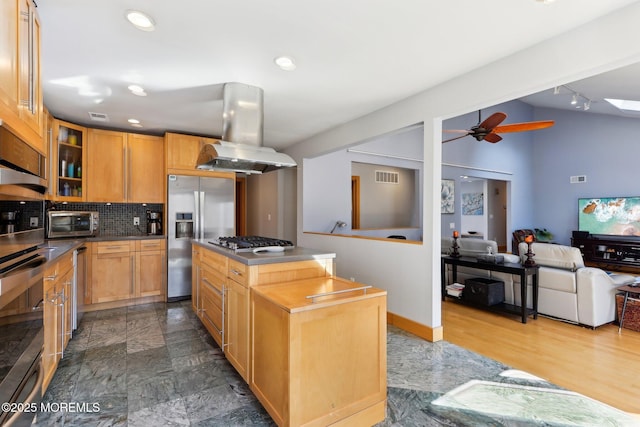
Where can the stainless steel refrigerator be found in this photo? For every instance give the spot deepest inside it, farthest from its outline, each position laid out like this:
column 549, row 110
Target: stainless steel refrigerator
column 198, row 208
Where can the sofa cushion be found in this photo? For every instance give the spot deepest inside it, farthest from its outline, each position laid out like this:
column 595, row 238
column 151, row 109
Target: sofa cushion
column 557, row 279
column 557, row 256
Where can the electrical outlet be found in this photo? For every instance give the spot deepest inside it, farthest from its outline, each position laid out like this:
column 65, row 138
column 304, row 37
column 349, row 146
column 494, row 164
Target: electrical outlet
column 136, row 220
column 33, row 221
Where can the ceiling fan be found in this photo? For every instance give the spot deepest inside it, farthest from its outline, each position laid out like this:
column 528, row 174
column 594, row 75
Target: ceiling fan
column 488, row 129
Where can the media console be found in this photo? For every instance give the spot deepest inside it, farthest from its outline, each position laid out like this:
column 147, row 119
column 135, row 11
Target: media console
column 615, row 254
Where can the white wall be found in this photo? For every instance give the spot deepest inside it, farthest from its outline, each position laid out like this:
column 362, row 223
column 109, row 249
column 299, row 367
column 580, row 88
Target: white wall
column 271, row 204
column 411, row 273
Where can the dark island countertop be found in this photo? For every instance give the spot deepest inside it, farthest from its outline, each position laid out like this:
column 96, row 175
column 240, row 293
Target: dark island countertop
column 249, row 258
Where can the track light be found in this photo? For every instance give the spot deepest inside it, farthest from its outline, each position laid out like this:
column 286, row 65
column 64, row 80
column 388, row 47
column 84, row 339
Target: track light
column 577, row 99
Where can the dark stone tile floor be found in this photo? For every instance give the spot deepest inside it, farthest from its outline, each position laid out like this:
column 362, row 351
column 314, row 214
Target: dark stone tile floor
column 156, row 365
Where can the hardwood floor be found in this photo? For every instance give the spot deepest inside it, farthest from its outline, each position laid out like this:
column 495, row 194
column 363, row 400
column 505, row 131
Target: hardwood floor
column 601, row 363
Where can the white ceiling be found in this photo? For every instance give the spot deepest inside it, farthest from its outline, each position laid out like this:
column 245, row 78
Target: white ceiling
column 353, row 56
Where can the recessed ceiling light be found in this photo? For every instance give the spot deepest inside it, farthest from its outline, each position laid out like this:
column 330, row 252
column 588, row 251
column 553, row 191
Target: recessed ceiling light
column 137, row 90
column 624, row 104
column 545, row 1
column 140, row 20
column 133, row 121
column 286, row 63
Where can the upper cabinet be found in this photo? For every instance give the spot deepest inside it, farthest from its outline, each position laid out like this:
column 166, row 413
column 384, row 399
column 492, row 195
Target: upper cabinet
column 67, row 160
column 31, row 111
column 21, row 107
column 182, row 153
column 124, row 167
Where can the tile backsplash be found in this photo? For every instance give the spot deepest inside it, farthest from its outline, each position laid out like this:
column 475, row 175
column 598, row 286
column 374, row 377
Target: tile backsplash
column 116, row 219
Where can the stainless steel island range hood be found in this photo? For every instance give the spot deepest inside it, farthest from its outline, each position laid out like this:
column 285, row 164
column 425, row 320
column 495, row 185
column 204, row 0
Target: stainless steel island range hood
column 241, row 147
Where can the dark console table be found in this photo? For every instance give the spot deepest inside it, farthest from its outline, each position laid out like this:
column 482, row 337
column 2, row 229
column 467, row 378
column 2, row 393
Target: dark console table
column 511, row 268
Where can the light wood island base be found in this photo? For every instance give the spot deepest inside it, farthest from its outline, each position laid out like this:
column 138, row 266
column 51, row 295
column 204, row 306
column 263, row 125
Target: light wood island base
column 319, row 363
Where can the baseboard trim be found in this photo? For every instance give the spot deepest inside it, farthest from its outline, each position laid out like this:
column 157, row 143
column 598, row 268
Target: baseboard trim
column 415, row 328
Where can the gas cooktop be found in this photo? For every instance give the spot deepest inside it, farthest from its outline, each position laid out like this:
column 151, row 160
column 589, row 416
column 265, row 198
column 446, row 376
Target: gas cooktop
column 251, row 243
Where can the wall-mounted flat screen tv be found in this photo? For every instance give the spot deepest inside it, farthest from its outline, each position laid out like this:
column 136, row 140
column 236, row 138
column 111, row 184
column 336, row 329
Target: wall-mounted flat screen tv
column 612, row 216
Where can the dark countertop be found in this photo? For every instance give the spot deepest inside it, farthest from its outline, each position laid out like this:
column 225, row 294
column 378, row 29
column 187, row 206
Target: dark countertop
column 249, row 258
column 54, row 249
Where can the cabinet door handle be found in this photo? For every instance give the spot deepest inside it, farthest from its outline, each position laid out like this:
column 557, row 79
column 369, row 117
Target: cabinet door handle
column 236, row 272
column 133, row 272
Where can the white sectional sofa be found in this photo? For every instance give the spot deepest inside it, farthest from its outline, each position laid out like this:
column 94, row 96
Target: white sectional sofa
column 567, row 290
column 570, row 291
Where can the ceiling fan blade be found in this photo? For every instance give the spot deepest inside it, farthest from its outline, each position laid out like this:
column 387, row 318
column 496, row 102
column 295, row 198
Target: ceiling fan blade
column 493, row 137
column 457, row 137
column 523, row 127
column 492, row 121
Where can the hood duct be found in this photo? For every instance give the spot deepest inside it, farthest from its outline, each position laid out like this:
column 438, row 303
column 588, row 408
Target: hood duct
column 240, row 149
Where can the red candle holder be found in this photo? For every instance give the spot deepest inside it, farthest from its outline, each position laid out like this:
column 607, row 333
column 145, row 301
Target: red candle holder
column 529, row 262
column 454, row 248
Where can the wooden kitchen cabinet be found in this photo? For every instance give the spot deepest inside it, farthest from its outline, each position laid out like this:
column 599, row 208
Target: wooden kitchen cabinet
column 234, row 280
column 212, row 288
column 21, row 106
column 9, row 74
column 112, row 271
column 57, row 314
column 150, row 268
column 124, row 167
column 182, row 153
column 146, row 174
column 237, row 327
column 68, row 147
column 30, row 89
column 127, row 269
column 319, row 362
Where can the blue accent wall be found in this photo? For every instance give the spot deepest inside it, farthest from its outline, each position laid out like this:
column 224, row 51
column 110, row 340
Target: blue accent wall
column 540, row 163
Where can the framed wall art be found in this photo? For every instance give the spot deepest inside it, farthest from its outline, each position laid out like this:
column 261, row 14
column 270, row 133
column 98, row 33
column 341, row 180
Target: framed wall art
column 447, row 195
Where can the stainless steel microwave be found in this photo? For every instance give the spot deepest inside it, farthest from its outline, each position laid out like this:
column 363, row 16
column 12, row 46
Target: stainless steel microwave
column 72, row 224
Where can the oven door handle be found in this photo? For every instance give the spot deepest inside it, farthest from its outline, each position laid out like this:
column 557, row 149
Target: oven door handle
column 34, row 396
column 22, row 276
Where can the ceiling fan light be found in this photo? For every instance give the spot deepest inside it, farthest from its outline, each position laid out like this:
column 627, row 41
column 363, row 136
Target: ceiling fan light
column 587, row 105
column 574, row 99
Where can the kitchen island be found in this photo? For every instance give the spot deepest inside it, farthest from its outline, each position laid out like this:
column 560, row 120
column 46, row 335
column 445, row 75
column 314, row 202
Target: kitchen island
column 221, row 283
column 310, row 361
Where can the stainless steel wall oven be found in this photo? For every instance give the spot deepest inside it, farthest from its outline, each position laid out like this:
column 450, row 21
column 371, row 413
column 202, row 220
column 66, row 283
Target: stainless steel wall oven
column 22, row 187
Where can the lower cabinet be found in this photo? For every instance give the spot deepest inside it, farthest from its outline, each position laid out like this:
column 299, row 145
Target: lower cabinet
column 237, row 327
column 211, row 293
column 125, row 269
column 221, row 290
column 57, row 314
column 319, row 363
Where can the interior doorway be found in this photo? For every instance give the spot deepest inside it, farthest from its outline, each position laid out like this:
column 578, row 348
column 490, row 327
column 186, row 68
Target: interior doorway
column 485, row 209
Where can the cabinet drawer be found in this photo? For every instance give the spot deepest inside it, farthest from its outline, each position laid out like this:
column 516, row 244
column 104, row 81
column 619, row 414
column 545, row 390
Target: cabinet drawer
column 151, row 245
column 211, row 307
column 212, row 278
column 214, row 261
column 115, row 247
column 238, row 272
column 64, row 264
